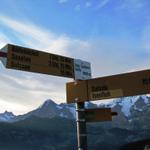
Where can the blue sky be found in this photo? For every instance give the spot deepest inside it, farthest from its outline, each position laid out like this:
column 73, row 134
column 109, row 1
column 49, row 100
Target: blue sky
column 113, row 35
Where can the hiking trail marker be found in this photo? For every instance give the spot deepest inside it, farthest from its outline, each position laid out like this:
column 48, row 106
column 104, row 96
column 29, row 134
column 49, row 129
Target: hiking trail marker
column 99, row 114
column 121, row 85
column 26, row 59
column 83, row 88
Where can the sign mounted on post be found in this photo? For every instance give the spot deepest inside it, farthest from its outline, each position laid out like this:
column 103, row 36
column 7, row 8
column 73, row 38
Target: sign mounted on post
column 99, row 114
column 82, row 70
column 122, row 85
column 26, row 59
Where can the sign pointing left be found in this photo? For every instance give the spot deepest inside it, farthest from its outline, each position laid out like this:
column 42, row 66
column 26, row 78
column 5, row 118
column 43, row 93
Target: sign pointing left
column 27, row 59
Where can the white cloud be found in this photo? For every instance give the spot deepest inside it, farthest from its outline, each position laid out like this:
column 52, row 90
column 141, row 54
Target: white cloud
column 34, row 36
column 28, row 89
column 3, row 39
column 13, row 107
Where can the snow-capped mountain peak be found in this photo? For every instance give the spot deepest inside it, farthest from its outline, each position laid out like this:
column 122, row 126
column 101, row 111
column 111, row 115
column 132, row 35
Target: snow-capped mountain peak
column 48, row 103
column 6, row 116
column 127, row 109
column 145, row 98
column 126, row 103
column 129, row 102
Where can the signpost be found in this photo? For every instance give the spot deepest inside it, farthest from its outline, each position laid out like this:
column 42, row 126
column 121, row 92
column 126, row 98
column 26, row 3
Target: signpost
column 128, row 84
column 122, row 85
column 27, row 59
column 99, row 114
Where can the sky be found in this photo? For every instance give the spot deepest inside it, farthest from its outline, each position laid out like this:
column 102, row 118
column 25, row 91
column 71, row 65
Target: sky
column 113, row 35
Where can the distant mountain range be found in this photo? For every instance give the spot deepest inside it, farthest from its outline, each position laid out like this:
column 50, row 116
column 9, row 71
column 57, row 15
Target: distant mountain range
column 130, row 111
column 52, row 126
column 7, row 116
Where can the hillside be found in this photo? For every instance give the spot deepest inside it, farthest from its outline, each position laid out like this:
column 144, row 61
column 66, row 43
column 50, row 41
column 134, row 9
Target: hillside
column 57, row 133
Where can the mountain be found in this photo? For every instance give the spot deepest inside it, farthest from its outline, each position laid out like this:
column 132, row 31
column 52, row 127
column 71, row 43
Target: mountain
column 59, row 133
column 36, row 133
column 133, row 112
column 49, row 109
column 53, row 127
column 6, row 116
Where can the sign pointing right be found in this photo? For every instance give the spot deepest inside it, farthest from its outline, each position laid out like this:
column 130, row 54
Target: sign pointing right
column 99, row 114
column 122, row 85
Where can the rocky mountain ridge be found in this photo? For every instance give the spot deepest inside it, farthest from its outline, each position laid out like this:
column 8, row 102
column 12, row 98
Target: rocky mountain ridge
column 133, row 112
column 6, row 116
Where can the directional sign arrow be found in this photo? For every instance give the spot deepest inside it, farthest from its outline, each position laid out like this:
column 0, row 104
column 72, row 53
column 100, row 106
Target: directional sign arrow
column 99, row 114
column 115, row 86
column 26, row 59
